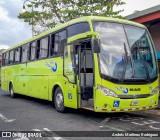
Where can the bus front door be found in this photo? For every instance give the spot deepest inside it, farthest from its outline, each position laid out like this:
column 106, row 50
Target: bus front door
column 78, row 72
column 70, row 86
column 86, row 81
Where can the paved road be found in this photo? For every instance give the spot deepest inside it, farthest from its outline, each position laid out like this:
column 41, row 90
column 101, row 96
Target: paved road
column 30, row 114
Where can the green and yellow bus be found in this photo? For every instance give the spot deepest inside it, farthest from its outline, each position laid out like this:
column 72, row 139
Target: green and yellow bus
column 96, row 63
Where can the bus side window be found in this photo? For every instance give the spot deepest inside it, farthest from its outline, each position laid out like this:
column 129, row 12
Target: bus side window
column 52, row 45
column 7, row 58
column 33, row 51
column 3, row 59
column 78, row 28
column 43, row 46
column 38, row 50
column 57, row 43
column 17, row 55
column 25, row 52
column 11, row 57
column 63, row 41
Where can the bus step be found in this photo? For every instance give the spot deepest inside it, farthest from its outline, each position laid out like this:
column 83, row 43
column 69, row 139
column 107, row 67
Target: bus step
column 92, row 109
column 88, row 103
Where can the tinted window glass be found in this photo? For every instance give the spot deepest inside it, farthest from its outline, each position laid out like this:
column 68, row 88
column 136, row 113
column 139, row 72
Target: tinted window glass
column 57, row 43
column 63, row 35
column 3, row 59
column 44, row 47
column 11, row 57
column 7, row 58
column 33, row 51
column 78, row 29
column 17, row 55
column 25, row 52
column 52, row 45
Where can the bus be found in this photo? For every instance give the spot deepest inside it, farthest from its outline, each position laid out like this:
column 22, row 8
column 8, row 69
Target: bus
column 95, row 63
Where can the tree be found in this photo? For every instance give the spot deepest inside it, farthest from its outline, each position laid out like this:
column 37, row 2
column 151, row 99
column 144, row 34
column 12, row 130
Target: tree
column 47, row 14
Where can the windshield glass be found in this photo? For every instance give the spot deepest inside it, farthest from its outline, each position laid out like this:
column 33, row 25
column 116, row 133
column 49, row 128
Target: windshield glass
column 126, row 51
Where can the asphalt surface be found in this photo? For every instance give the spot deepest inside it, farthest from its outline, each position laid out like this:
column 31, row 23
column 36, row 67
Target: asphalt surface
column 30, row 114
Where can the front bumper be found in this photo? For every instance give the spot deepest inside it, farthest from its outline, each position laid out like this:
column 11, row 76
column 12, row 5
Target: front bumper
column 107, row 103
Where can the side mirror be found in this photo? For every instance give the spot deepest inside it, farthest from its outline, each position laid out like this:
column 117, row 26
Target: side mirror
column 96, row 46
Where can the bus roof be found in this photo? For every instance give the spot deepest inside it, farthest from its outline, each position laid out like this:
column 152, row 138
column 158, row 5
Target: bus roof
column 77, row 20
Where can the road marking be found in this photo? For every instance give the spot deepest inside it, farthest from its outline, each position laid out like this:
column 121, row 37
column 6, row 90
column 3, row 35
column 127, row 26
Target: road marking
column 154, row 127
column 46, row 129
column 104, row 122
column 145, row 122
column 5, row 119
column 56, row 138
column 137, row 123
column 36, row 130
column 22, row 138
column 51, row 138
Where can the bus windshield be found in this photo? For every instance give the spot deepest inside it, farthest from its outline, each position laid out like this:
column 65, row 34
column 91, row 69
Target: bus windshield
column 126, row 51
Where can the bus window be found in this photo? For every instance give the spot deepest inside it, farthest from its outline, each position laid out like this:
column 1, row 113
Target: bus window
column 57, row 43
column 52, row 45
column 11, row 57
column 78, row 28
column 33, row 51
column 3, row 59
column 25, row 51
column 43, row 46
column 69, row 63
column 63, row 36
column 7, row 58
column 17, row 55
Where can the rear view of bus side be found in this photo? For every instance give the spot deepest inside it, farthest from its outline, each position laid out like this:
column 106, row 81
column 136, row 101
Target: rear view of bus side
column 96, row 63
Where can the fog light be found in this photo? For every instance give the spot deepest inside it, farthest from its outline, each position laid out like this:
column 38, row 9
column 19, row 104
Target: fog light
column 155, row 91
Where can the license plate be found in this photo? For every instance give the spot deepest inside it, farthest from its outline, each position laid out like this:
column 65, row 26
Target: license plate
column 134, row 103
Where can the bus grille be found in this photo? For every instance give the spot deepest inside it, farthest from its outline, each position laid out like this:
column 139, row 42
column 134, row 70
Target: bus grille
column 134, row 96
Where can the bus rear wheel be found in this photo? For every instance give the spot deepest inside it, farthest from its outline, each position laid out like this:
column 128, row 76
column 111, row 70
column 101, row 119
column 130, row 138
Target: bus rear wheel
column 59, row 100
column 11, row 90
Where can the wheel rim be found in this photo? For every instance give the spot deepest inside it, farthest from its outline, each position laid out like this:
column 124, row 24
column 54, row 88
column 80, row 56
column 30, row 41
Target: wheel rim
column 11, row 91
column 59, row 100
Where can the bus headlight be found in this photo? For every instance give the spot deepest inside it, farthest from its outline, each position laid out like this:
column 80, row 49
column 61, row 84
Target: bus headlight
column 155, row 91
column 107, row 91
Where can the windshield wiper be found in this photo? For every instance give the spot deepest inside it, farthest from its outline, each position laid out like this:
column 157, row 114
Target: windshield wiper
column 144, row 64
column 124, row 64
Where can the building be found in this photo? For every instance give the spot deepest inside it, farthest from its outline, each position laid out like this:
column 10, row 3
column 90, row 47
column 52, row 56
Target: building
column 150, row 18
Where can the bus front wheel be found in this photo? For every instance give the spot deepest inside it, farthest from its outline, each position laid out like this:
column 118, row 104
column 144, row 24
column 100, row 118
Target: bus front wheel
column 11, row 90
column 59, row 100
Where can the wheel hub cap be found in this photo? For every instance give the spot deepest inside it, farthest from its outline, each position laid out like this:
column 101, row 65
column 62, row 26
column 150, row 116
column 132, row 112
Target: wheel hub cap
column 59, row 99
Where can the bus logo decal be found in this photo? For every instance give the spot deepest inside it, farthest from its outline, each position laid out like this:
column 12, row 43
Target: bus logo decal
column 135, row 89
column 122, row 89
column 125, row 91
column 52, row 65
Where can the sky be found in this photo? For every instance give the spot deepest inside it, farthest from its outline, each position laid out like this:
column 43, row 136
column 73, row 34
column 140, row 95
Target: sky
column 14, row 30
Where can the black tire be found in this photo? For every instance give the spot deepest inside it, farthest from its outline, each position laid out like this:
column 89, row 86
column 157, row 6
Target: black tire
column 11, row 90
column 59, row 100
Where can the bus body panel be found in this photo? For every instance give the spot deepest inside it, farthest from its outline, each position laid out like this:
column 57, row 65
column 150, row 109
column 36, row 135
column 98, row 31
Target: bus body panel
column 125, row 104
